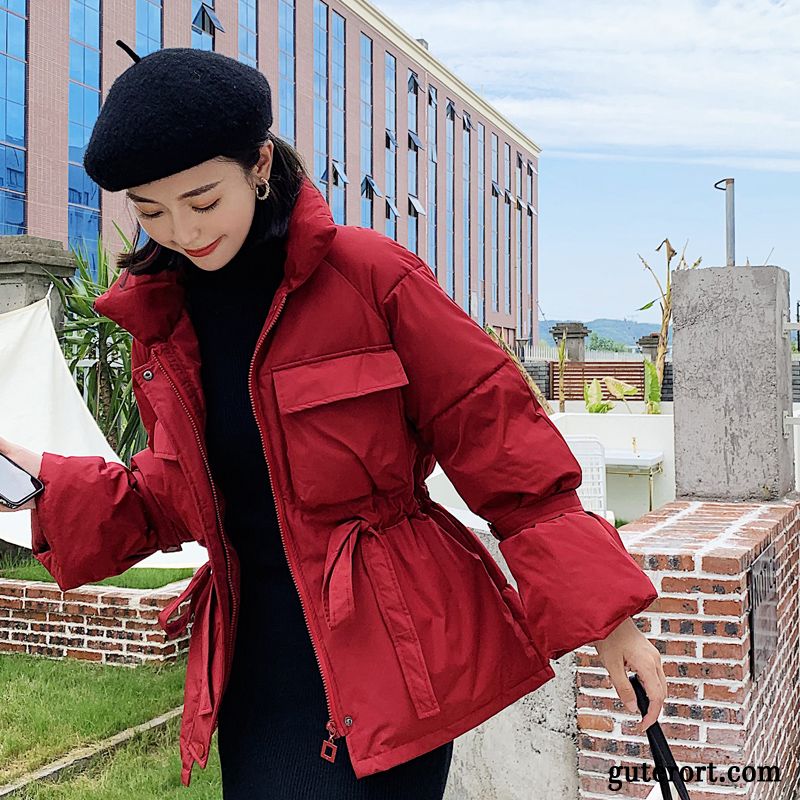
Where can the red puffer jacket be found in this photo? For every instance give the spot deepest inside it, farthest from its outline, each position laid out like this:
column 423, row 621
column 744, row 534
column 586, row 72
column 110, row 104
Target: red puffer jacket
column 365, row 374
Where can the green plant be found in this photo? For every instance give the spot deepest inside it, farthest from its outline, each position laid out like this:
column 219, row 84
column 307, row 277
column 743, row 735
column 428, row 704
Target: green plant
column 652, row 388
column 562, row 360
column 98, row 352
column 593, row 398
column 665, row 301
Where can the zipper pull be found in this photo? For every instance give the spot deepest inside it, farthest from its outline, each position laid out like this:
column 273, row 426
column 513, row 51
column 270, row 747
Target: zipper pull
column 328, row 751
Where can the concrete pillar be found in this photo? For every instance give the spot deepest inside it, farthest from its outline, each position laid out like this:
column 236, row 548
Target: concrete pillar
column 731, row 383
column 576, row 338
column 649, row 345
column 24, row 263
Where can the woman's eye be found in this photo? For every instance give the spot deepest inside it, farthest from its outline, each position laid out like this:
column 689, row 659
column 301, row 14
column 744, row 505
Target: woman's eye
column 199, row 211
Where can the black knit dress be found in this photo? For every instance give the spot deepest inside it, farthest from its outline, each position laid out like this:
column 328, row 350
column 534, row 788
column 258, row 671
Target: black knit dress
column 273, row 714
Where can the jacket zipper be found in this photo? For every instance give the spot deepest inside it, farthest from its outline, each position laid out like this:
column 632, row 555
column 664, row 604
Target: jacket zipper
column 234, row 599
column 328, row 751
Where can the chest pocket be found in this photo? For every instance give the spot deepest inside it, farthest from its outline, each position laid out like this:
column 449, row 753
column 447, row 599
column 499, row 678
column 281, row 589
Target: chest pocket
column 345, row 430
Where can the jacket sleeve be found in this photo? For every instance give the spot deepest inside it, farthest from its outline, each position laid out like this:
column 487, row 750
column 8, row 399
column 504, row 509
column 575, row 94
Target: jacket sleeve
column 476, row 414
column 95, row 519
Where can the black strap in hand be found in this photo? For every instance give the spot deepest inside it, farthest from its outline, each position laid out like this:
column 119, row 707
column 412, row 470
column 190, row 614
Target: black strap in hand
column 666, row 768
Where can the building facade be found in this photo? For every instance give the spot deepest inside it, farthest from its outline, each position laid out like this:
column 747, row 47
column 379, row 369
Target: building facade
column 392, row 138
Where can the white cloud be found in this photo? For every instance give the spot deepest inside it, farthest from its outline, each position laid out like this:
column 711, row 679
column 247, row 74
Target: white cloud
column 711, row 82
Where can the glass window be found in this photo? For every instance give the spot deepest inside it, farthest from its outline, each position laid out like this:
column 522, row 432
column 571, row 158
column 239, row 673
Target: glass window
column 481, row 224
column 466, row 217
column 433, row 179
column 366, row 121
column 321, row 97
column 248, row 33
column 338, row 118
column 149, row 36
column 287, row 80
column 449, row 187
column 83, row 195
column 390, row 84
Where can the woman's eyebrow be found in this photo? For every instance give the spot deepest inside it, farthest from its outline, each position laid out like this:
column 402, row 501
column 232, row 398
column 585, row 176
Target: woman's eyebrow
column 190, row 193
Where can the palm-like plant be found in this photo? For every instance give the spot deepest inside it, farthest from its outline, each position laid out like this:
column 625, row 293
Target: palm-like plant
column 99, row 352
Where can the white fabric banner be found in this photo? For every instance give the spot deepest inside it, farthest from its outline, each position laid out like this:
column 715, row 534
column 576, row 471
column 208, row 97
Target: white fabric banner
column 42, row 409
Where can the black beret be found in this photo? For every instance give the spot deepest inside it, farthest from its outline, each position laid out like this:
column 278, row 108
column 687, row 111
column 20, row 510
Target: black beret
column 173, row 109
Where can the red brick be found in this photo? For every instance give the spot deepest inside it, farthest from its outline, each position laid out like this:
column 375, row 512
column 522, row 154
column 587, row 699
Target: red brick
column 50, row 594
column 85, row 655
column 595, row 722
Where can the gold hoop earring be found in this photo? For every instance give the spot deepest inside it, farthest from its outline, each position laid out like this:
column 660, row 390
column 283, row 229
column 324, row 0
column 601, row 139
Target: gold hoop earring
column 266, row 188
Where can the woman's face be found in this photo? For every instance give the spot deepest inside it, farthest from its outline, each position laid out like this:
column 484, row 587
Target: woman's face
column 211, row 202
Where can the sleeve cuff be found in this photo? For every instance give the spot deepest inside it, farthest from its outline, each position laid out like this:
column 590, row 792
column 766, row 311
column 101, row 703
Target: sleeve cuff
column 576, row 580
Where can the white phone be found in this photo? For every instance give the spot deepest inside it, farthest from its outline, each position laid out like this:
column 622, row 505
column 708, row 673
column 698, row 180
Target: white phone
column 16, row 485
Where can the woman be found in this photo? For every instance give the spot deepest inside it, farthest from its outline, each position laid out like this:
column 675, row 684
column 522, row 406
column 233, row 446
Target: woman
column 286, row 371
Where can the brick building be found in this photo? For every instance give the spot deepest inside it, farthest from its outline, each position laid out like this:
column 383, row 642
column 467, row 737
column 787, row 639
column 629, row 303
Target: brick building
column 393, row 139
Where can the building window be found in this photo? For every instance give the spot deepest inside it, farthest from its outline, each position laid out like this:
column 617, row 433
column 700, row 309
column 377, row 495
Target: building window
column 321, row 97
column 13, row 143
column 507, row 212
column 149, row 27
column 338, row 133
column 495, row 224
column 287, row 68
column 481, row 224
column 368, row 188
column 433, row 178
column 414, row 146
column 449, row 195
column 530, row 251
column 83, row 194
column 248, row 33
column 466, row 215
column 205, row 24
column 390, row 80
column 520, row 302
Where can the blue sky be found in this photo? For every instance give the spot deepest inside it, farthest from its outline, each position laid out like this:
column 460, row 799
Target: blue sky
column 639, row 108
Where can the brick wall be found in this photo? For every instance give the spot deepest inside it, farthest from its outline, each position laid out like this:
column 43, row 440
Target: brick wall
column 698, row 554
column 94, row 623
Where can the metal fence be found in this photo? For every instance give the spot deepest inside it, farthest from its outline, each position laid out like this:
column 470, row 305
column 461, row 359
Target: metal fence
column 544, row 352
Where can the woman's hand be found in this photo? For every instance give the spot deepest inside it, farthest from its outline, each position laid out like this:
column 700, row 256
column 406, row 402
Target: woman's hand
column 29, row 461
column 627, row 646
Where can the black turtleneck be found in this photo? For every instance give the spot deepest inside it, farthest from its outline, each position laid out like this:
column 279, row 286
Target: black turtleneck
column 228, row 307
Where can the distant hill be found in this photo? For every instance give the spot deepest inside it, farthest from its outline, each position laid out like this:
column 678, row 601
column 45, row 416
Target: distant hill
column 620, row 330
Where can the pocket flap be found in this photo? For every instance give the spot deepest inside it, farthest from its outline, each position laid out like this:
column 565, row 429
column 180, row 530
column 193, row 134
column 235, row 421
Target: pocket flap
column 337, row 378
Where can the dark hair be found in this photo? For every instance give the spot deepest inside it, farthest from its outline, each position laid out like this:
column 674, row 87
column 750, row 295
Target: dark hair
column 271, row 217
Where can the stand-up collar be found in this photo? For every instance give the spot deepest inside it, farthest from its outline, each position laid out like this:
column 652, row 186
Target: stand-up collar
column 148, row 306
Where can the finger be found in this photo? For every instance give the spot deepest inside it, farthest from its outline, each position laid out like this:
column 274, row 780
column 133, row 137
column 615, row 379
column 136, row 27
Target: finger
column 662, row 676
column 622, row 686
column 653, row 687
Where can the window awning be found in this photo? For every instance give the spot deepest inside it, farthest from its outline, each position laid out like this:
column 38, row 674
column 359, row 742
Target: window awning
column 368, row 184
column 415, row 141
column 205, row 14
column 414, row 205
column 338, row 172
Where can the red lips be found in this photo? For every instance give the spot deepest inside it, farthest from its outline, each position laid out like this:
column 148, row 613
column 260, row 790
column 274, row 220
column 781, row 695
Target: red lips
column 205, row 250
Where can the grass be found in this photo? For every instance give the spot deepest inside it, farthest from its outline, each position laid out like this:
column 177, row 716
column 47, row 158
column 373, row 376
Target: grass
column 147, row 769
column 49, row 706
column 29, row 569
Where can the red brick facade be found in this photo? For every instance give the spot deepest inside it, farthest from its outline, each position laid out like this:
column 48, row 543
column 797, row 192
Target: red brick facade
column 94, row 623
column 698, row 554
